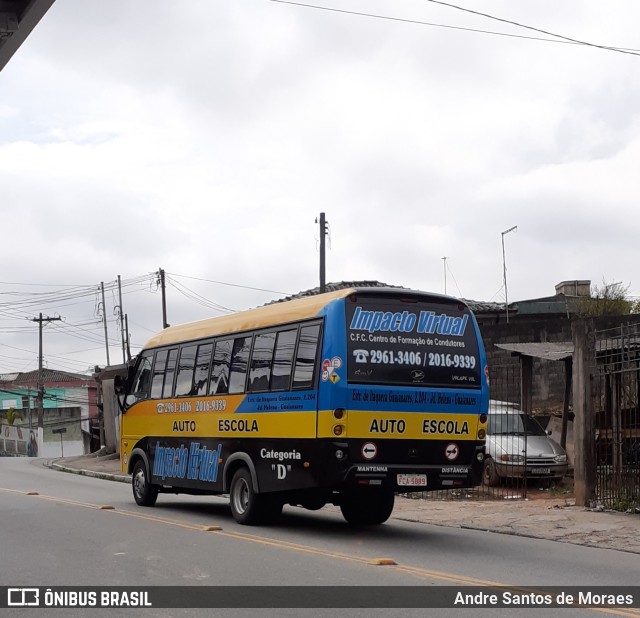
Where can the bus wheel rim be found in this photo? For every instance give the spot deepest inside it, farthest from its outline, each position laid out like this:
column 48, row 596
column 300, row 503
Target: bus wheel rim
column 241, row 496
column 139, row 483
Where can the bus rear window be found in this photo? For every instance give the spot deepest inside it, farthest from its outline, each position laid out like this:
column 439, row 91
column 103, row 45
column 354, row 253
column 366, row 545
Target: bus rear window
column 421, row 343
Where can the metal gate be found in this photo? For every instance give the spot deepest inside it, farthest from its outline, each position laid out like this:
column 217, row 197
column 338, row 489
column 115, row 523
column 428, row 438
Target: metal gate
column 617, row 417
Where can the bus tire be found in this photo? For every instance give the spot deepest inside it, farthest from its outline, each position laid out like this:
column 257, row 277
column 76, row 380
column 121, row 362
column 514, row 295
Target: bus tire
column 490, row 476
column 367, row 507
column 246, row 505
column 145, row 493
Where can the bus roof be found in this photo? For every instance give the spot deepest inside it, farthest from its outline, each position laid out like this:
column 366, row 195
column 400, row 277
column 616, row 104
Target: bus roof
column 273, row 314
column 260, row 317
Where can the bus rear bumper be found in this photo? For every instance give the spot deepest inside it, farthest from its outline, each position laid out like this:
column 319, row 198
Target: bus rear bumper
column 403, row 478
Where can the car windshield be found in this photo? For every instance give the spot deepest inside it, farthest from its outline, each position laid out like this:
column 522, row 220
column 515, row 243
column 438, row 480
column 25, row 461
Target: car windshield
column 504, row 424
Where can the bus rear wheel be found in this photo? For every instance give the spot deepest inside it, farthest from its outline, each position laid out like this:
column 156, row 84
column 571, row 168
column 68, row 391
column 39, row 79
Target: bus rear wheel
column 247, row 506
column 145, row 493
column 367, row 507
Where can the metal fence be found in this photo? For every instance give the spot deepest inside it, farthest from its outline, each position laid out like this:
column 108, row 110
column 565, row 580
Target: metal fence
column 617, row 417
column 504, row 477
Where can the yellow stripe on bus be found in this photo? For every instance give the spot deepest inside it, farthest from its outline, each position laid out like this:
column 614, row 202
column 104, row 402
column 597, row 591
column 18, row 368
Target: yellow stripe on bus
column 223, row 425
column 400, row 425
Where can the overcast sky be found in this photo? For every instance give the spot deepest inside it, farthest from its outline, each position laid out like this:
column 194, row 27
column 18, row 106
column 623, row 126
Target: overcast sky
column 206, row 137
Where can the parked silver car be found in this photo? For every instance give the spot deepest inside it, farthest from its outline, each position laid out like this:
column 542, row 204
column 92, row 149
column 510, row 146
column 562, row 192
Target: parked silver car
column 517, row 443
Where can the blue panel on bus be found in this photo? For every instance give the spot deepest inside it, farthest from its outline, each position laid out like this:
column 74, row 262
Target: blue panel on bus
column 414, row 400
column 297, row 401
column 333, row 364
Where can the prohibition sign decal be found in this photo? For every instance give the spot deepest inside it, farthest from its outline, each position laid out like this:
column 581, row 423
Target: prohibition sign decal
column 369, row 450
column 452, row 451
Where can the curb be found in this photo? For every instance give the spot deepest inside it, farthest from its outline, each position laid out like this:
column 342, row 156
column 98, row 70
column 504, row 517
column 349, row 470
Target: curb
column 107, row 476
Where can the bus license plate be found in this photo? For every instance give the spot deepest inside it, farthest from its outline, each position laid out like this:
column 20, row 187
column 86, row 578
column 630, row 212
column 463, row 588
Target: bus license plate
column 412, row 480
column 540, row 471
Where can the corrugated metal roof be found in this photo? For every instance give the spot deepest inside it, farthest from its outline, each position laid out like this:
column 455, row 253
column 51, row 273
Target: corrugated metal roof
column 547, row 351
column 48, row 375
column 478, row 306
column 475, row 305
column 335, row 286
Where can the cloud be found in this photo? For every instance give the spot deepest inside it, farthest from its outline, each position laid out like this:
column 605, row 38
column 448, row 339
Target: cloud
column 207, row 139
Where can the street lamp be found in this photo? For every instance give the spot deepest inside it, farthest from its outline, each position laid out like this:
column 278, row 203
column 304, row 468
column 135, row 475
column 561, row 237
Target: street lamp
column 504, row 270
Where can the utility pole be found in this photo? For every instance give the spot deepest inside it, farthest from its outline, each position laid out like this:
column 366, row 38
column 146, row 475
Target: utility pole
column 104, row 320
column 40, row 395
column 323, row 233
column 163, row 290
column 121, row 317
column 126, row 328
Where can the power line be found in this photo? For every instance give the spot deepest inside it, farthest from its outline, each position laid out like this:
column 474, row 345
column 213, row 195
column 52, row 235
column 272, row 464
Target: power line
column 519, row 25
column 559, row 39
column 201, row 300
column 234, row 285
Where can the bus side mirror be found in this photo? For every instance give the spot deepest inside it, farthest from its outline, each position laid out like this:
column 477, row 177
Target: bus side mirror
column 119, row 385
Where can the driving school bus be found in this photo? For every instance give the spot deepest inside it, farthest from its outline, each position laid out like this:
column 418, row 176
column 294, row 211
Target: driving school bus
column 348, row 398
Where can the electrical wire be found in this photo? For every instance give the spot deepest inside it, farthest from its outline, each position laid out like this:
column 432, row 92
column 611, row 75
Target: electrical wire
column 234, row 285
column 624, row 50
column 194, row 296
column 559, row 39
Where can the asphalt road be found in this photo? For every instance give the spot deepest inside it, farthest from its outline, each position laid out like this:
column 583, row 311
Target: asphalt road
column 64, row 535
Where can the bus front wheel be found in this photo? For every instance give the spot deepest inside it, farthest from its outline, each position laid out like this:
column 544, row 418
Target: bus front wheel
column 145, row 493
column 367, row 507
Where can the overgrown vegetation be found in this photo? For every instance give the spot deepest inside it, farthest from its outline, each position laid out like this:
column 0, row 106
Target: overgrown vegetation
column 608, row 299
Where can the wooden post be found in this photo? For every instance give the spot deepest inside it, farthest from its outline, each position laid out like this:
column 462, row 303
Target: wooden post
column 526, row 383
column 583, row 425
column 568, row 372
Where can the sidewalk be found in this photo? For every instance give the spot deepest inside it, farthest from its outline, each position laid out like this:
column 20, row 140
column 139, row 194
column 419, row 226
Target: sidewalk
column 556, row 519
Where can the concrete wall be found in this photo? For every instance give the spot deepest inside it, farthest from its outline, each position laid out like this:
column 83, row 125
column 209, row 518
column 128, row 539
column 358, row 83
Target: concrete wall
column 111, row 413
column 548, row 376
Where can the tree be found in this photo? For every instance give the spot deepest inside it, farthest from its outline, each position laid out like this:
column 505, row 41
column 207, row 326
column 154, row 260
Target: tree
column 608, row 299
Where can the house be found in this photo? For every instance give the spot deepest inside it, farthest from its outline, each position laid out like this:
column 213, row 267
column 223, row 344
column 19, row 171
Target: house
column 70, row 414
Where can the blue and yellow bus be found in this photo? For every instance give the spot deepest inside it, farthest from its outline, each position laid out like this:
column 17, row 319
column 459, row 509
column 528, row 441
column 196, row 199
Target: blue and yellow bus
column 348, row 398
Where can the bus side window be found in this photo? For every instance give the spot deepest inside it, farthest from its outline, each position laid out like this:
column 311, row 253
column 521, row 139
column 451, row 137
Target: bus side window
column 169, row 373
column 306, row 357
column 239, row 362
column 158, row 374
column 186, row 365
column 142, row 380
column 283, row 359
column 219, row 384
column 201, row 375
column 261, row 362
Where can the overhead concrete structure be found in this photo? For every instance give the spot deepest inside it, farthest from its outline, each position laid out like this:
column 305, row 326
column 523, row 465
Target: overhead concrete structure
column 17, row 19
